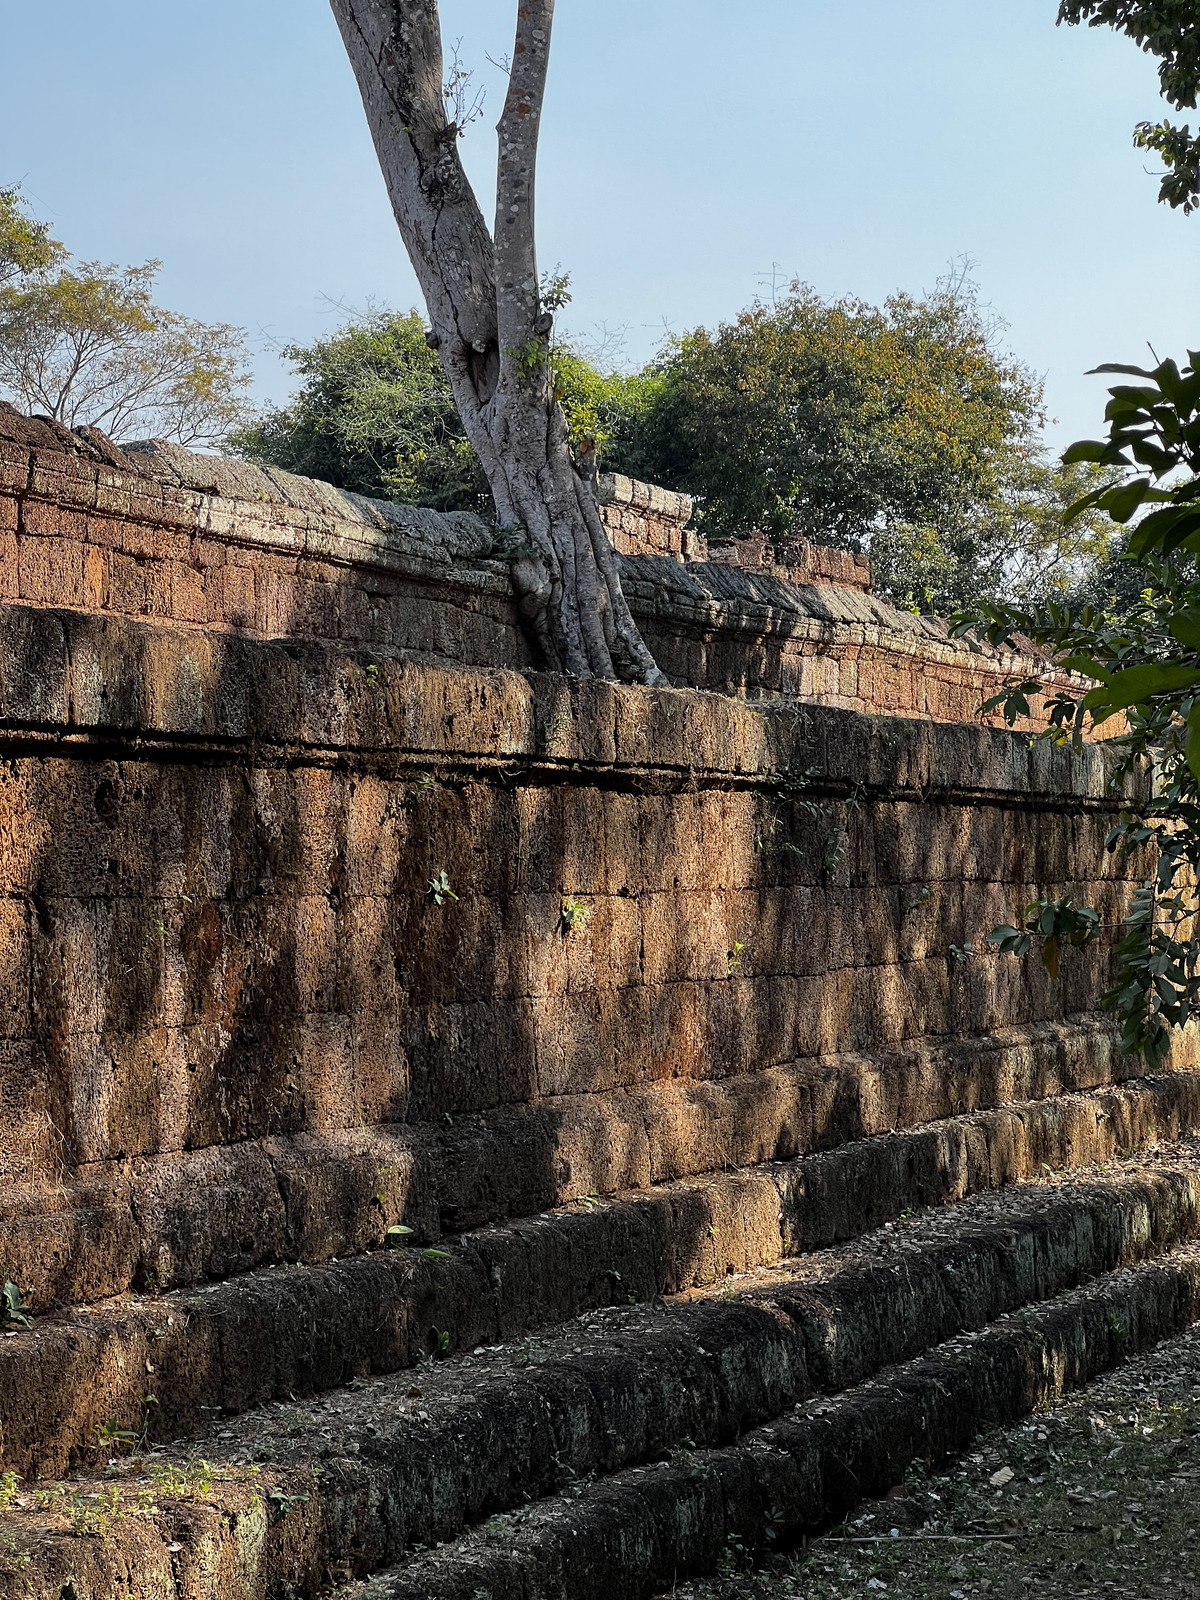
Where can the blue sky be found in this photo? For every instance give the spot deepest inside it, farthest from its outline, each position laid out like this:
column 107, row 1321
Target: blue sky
column 859, row 145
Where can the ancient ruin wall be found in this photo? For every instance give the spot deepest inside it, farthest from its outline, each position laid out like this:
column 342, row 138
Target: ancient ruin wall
column 246, row 1017
column 204, row 543
column 307, row 930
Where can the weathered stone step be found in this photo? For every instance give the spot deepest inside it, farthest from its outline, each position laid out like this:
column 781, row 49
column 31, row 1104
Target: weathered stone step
column 640, row 1531
column 348, row 1484
column 289, row 1331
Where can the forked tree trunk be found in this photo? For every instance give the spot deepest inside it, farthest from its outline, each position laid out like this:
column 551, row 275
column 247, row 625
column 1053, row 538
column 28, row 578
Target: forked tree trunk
column 488, row 323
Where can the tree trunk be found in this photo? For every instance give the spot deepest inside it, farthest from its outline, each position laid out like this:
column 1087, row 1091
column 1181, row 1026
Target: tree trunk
column 489, row 325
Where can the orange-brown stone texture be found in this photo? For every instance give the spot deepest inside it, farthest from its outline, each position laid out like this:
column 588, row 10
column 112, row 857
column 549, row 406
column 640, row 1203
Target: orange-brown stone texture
column 322, row 911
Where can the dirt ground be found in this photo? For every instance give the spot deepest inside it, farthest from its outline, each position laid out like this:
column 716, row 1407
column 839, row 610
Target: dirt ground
column 1098, row 1497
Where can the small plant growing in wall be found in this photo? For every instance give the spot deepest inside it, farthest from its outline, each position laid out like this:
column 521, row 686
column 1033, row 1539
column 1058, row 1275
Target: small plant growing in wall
column 440, row 890
column 733, row 958
column 836, row 850
column 422, row 788
column 14, row 1312
column 574, row 917
column 111, row 1438
column 283, row 1500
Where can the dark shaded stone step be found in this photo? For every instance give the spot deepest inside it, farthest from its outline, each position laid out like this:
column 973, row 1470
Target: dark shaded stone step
column 160, row 1223
column 636, row 1534
column 308, row 1492
column 293, row 1330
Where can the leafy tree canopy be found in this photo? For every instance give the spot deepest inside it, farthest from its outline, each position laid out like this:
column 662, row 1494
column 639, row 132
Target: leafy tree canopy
column 25, row 243
column 374, row 413
column 903, row 430
column 86, row 343
column 1170, row 30
column 826, row 418
column 1019, row 546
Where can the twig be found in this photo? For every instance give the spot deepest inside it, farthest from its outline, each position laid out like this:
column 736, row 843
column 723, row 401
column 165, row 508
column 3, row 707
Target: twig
column 920, row 1538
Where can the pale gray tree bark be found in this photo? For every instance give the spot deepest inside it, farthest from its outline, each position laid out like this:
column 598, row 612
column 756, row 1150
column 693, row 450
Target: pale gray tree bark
column 489, row 325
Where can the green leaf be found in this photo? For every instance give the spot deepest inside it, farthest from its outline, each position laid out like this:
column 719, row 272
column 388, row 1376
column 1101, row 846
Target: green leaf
column 1188, row 395
column 1117, row 366
column 1167, row 376
column 1165, row 530
column 12, row 1306
column 1185, row 626
column 1134, row 685
column 1122, row 502
column 1086, row 665
column 1084, row 450
column 1129, row 397
column 1191, row 742
column 1152, row 456
column 1078, row 507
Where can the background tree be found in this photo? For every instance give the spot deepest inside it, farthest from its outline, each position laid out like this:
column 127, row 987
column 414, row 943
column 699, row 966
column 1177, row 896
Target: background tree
column 1170, row 30
column 492, row 318
column 375, row 413
column 86, row 344
column 903, row 430
column 1017, row 545
column 828, row 418
column 25, row 244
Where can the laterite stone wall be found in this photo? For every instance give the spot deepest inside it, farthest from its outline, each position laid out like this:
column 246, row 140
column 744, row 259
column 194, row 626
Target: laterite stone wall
column 321, row 910
column 677, row 934
column 205, row 544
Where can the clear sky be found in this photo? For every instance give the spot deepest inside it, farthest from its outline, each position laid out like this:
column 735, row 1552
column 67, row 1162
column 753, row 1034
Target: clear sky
column 691, row 149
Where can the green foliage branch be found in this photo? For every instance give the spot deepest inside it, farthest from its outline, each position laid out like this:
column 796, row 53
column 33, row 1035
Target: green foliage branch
column 1051, row 923
column 25, row 244
column 1145, row 666
column 1168, row 29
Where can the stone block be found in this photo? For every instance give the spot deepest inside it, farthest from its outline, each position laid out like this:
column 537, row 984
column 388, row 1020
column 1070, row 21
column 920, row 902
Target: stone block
column 33, row 667
column 127, row 592
column 231, row 597
column 470, row 1057
column 50, row 571
column 189, row 595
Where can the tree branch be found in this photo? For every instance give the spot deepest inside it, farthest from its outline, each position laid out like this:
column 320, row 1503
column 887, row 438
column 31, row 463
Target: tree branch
column 518, row 307
column 395, row 48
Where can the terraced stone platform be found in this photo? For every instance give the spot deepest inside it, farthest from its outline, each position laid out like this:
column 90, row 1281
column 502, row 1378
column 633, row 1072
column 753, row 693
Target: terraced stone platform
column 726, row 1168
column 604, row 1454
